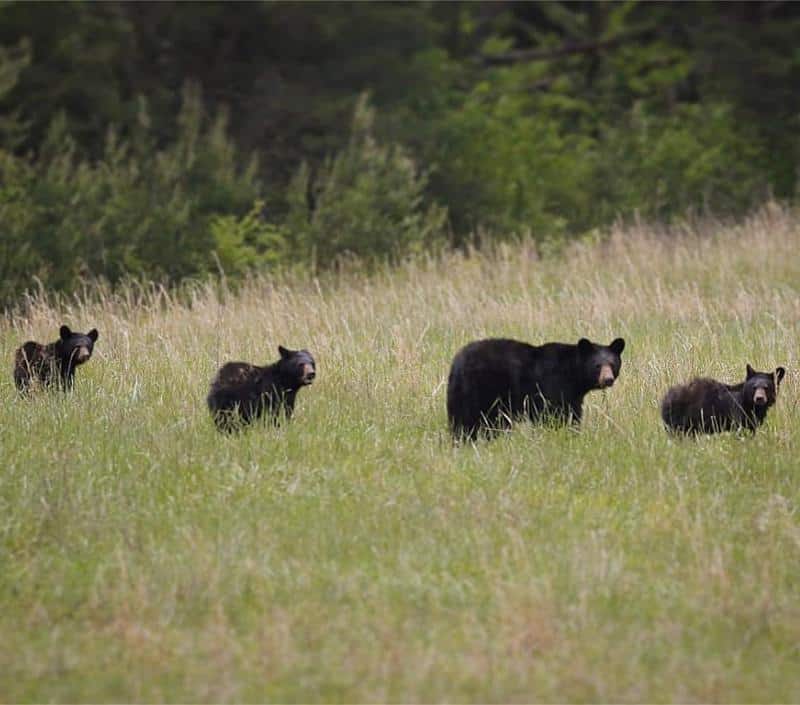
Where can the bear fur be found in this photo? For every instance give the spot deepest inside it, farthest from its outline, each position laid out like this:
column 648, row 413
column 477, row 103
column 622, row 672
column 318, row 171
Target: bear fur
column 708, row 406
column 495, row 381
column 241, row 392
column 53, row 365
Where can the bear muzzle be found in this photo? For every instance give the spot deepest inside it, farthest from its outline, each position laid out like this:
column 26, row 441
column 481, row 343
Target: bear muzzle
column 760, row 397
column 606, row 378
column 309, row 373
column 81, row 354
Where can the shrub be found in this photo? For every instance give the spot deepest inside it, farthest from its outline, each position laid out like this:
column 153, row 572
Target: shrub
column 166, row 212
column 368, row 200
column 697, row 157
column 247, row 242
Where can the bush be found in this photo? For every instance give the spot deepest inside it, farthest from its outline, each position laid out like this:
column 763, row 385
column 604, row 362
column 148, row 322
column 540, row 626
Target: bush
column 242, row 244
column 697, row 157
column 162, row 213
column 528, row 150
column 368, row 200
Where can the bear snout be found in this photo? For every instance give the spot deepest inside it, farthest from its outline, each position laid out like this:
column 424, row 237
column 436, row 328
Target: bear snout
column 308, row 374
column 606, row 378
column 760, row 397
column 82, row 354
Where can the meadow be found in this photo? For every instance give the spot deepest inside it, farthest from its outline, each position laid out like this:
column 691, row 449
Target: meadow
column 356, row 554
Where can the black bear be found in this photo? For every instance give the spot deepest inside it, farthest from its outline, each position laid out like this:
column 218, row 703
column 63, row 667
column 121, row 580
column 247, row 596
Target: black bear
column 241, row 393
column 709, row 406
column 53, row 364
column 494, row 381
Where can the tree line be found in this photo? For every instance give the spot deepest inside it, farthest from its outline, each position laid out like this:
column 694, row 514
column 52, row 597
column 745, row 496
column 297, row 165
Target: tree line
column 173, row 140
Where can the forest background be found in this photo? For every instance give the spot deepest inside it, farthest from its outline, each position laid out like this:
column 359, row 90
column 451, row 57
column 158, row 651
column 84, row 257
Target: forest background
column 175, row 141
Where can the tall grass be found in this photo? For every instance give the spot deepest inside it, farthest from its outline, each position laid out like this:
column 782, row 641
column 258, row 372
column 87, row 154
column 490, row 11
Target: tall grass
column 355, row 554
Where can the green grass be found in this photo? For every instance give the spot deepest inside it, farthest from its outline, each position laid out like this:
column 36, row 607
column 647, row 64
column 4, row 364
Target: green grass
column 355, row 554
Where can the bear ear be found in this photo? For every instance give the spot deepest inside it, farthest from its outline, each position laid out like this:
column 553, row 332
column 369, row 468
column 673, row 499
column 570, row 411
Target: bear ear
column 92, row 335
column 750, row 371
column 585, row 346
column 65, row 332
column 779, row 373
column 284, row 352
column 617, row 346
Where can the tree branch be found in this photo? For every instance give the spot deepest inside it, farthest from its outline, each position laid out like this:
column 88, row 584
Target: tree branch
column 584, row 47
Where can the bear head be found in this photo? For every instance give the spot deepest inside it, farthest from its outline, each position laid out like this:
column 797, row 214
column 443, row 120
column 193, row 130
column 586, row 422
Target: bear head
column 600, row 364
column 77, row 348
column 296, row 367
column 760, row 388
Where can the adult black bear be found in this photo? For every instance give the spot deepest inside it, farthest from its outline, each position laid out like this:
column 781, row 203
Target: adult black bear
column 708, row 406
column 53, row 364
column 241, row 392
column 492, row 382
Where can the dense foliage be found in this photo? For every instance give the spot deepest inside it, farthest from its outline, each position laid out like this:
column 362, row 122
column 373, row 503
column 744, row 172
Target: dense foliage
column 167, row 140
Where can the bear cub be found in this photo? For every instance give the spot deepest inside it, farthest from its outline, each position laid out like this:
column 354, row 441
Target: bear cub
column 493, row 382
column 241, row 392
column 53, row 364
column 708, row 406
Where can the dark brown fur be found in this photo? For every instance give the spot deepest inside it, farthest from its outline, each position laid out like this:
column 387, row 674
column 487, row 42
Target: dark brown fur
column 240, row 393
column 54, row 364
column 708, row 406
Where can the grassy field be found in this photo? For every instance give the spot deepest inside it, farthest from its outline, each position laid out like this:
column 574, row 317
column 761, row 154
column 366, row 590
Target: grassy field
column 356, row 554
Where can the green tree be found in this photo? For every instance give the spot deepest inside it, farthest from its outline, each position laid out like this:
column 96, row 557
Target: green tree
column 163, row 213
column 367, row 200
